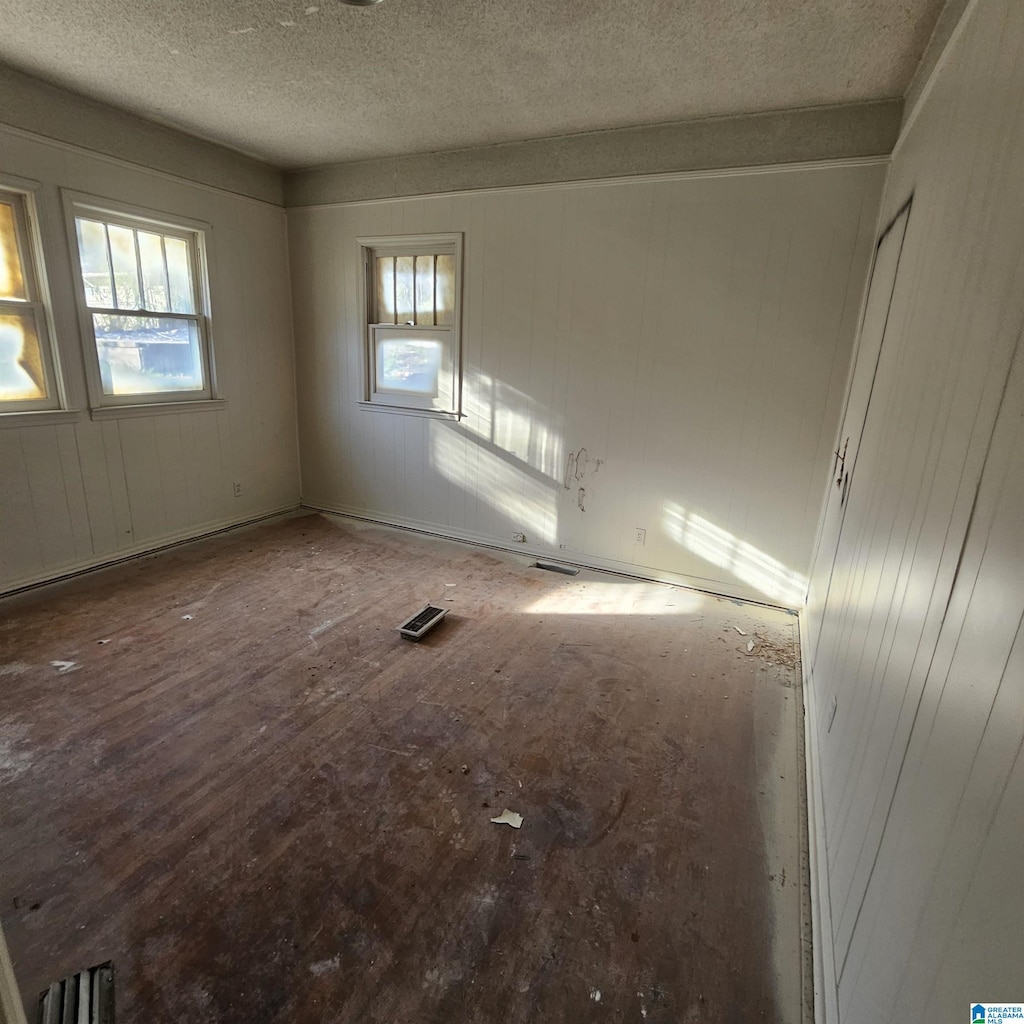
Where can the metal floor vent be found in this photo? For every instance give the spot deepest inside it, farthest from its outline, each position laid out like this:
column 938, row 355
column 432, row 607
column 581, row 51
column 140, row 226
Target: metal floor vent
column 422, row 622
column 565, row 570
column 85, row 998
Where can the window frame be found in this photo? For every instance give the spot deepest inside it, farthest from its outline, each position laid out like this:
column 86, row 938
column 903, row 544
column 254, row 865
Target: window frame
column 196, row 235
column 446, row 243
column 20, row 194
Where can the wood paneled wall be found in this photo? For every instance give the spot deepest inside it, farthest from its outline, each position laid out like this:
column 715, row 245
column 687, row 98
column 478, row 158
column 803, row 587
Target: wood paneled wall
column 676, row 348
column 80, row 493
column 917, row 630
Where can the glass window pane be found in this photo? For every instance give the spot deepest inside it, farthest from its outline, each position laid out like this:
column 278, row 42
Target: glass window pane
column 92, row 251
column 404, row 290
column 154, row 273
column 445, row 290
column 179, row 275
column 425, row 290
column 127, row 293
column 408, row 366
column 385, row 289
column 143, row 355
column 21, row 362
column 12, row 280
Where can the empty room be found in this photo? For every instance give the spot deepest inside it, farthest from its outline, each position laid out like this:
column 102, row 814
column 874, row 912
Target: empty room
column 511, row 512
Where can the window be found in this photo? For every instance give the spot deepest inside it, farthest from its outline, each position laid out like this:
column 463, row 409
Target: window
column 27, row 380
column 142, row 300
column 412, row 304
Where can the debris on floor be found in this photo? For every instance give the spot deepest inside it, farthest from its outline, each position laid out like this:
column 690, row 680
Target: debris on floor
column 64, row 666
column 750, row 646
column 786, row 654
column 740, row 631
column 187, row 617
column 508, row 817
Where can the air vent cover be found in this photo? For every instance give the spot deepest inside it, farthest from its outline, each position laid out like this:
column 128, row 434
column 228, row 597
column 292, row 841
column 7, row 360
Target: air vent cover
column 85, row 998
column 565, row 570
column 422, row 622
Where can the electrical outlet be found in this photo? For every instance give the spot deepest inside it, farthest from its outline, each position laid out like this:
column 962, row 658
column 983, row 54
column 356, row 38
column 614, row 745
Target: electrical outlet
column 832, row 712
column 238, row 489
column 519, row 538
column 641, row 536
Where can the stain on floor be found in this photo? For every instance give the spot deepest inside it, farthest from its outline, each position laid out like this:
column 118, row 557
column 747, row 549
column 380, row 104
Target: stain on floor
column 262, row 804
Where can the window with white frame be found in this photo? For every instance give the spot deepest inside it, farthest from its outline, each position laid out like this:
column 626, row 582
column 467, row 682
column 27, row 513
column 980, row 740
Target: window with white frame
column 143, row 304
column 27, row 378
column 412, row 321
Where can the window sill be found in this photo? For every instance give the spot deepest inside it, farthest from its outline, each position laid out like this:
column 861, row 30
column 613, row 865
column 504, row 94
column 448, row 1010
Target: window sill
column 38, row 418
column 409, row 410
column 116, row 412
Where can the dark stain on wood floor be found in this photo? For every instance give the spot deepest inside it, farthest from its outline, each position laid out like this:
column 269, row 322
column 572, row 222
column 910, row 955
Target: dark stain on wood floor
column 263, row 805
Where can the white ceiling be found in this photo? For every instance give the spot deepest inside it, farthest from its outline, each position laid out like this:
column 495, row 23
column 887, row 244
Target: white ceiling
column 306, row 82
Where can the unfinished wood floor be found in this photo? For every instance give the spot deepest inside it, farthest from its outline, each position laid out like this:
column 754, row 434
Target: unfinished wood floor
column 221, row 768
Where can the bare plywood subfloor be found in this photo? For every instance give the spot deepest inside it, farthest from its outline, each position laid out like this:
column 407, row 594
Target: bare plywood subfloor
column 244, row 788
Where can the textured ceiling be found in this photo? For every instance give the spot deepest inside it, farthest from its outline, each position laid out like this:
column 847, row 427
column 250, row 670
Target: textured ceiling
column 305, row 82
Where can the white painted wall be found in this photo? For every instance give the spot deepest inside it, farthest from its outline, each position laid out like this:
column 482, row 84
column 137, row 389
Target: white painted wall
column 692, row 333
column 920, row 778
column 81, row 493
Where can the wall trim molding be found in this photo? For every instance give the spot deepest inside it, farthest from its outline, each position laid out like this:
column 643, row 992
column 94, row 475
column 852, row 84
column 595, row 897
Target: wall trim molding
column 49, row 114
column 826, row 986
column 165, row 543
column 11, row 1009
column 629, row 179
column 801, row 137
column 576, row 558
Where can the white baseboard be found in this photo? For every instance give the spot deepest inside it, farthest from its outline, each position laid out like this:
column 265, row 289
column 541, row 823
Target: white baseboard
column 826, row 995
column 641, row 572
column 149, row 547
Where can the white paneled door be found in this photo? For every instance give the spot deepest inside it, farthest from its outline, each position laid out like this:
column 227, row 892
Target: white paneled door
column 868, row 354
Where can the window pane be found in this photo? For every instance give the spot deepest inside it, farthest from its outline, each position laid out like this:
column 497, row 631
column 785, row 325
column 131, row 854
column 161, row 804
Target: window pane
column 21, row 363
column 154, row 273
column 409, row 366
column 385, row 289
column 179, row 275
column 92, row 250
column 445, row 290
column 141, row 355
column 126, row 267
column 403, row 290
column 12, row 280
column 425, row 290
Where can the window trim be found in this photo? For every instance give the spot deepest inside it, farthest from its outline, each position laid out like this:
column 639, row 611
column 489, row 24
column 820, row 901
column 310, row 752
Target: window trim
column 28, row 234
column 197, row 236
column 408, row 245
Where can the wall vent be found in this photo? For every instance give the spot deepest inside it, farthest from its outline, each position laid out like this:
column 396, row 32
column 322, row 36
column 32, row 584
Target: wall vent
column 565, row 570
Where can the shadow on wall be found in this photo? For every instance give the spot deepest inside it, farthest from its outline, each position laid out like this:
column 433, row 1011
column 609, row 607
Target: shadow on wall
column 719, row 547
column 508, row 455
column 504, row 453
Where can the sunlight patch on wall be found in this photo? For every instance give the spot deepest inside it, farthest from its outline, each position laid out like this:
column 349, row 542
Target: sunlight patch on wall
column 617, row 598
column 747, row 563
column 526, row 502
column 513, row 421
